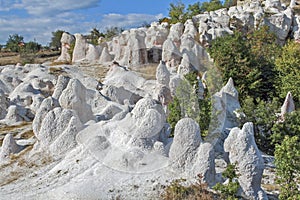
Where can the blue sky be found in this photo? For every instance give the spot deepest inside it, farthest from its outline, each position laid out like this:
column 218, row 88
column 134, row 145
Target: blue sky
column 36, row 19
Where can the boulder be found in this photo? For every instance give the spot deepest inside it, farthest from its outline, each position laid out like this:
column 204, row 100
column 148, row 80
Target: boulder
column 16, row 114
column 175, row 33
column 162, row 74
column 190, row 29
column 163, row 94
column 9, row 146
column 186, row 141
column 242, row 149
column 136, row 52
column 74, row 97
column 93, row 53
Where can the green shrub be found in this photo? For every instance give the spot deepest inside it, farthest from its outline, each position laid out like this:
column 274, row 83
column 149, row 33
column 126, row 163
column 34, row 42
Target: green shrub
column 287, row 161
column 230, row 190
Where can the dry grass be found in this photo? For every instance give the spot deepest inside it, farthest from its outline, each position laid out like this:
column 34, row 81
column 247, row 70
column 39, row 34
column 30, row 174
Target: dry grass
column 270, row 187
column 97, row 72
column 10, row 58
column 15, row 129
column 148, row 71
column 197, row 191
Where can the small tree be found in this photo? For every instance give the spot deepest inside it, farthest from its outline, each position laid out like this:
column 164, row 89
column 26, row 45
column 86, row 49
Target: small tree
column 32, row 47
column 288, row 66
column 177, row 12
column 287, row 161
column 15, row 42
column 55, row 40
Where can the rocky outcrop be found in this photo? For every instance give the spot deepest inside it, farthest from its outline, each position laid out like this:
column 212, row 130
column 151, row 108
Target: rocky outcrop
column 9, row 146
column 66, row 42
column 4, row 103
column 205, row 163
column 74, row 97
column 242, row 149
column 47, row 105
column 186, row 141
column 120, row 94
column 162, row 74
column 288, row 105
column 80, row 48
column 225, row 105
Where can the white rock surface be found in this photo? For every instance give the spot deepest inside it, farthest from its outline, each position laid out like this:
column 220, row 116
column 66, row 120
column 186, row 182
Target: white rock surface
column 242, row 149
column 74, row 97
column 186, row 141
column 9, row 146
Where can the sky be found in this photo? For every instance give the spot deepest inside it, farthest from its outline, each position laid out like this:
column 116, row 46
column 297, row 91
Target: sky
column 35, row 20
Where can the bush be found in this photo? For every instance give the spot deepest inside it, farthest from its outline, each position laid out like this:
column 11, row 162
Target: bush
column 289, row 127
column 186, row 103
column 288, row 66
column 263, row 115
column 287, row 161
column 230, row 190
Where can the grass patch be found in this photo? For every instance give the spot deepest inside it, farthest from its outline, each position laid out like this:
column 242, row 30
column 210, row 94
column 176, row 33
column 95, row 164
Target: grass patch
column 270, row 187
column 148, row 72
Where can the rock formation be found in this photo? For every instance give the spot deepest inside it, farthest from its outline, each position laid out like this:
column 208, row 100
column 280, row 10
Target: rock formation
column 66, row 42
column 186, row 141
column 9, row 147
column 243, row 151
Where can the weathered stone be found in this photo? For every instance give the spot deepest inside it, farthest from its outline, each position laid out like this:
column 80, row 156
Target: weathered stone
column 186, row 141
column 105, row 56
column 66, row 41
column 162, row 74
column 225, row 105
column 74, row 97
column 80, row 48
column 9, row 146
column 205, row 163
column 54, row 124
column 61, row 84
column 288, row 105
column 243, row 150
column 120, row 94
column 47, row 105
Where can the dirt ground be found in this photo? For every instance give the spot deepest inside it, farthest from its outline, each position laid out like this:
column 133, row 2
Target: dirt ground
column 10, row 58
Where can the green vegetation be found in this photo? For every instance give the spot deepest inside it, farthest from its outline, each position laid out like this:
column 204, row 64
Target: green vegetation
column 288, row 67
column 187, row 104
column 15, row 42
column 55, row 40
column 287, row 160
column 229, row 191
column 249, row 60
column 178, row 12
